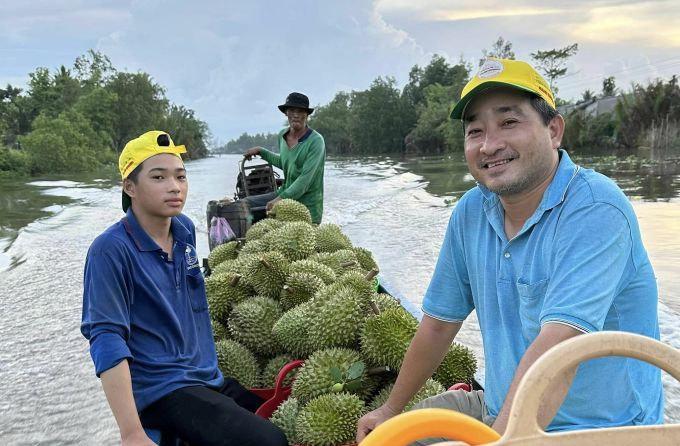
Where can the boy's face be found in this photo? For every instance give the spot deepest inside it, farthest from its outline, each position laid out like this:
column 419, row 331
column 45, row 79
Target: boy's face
column 161, row 187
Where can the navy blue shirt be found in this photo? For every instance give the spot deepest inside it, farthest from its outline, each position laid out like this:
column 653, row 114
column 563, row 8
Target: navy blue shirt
column 141, row 306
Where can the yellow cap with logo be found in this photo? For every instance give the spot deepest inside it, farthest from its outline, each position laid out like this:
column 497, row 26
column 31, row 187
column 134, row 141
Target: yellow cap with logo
column 140, row 149
column 503, row 73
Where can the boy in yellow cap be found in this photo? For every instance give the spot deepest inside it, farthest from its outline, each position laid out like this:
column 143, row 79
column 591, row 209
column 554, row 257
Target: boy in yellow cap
column 145, row 315
column 543, row 250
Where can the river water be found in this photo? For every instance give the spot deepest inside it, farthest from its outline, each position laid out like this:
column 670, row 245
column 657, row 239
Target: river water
column 397, row 209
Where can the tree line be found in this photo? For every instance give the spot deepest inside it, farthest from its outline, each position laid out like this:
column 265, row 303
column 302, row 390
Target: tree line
column 79, row 118
column 415, row 119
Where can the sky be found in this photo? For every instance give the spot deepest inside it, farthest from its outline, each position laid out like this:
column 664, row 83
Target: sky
column 233, row 62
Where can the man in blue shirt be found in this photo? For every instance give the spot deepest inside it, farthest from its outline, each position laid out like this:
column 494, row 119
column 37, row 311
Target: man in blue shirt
column 145, row 314
column 543, row 250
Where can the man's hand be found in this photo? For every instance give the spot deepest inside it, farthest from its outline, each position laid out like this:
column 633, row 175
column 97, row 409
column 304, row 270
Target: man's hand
column 372, row 420
column 271, row 204
column 137, row 438
column 251, row 152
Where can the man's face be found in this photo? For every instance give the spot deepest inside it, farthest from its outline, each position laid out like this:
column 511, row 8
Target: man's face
column 297, row 118
column 507, row 147
column 161, row 187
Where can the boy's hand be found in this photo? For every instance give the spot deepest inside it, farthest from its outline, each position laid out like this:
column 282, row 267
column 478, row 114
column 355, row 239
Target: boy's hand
column 372, row 420
column 251, row 152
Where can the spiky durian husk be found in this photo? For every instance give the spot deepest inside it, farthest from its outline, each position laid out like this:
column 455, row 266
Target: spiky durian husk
column 290, row 210
column 290, row 331
column 329, row 238
column 320, row 270
column 219, row 330
column 458, row 366
column 299, row 288
column 295, row 240
column 255, row 247
column 340, row 261
column 228, row 266
column 385, row 302
column 430, row 388
column 329, row 420
column 273, row 367
column 316, row 378
column 267, row 273
column 386, row 337
column 285, row 417
column 223, row 293
column 338, row 316
column 357, row 281
column 251, row 322
column 225, row 251
column 262, row 227
column 365, row 258
column 237, row 362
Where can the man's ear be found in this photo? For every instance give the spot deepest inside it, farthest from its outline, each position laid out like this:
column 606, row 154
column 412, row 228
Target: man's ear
column 556, row 128
column 129, row 187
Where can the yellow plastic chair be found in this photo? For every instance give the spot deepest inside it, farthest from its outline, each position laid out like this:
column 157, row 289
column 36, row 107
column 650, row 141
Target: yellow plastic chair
column 523, row 428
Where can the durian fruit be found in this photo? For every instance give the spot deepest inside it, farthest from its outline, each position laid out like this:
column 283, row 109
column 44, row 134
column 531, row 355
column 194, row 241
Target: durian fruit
column 338, row 315
column 273, row 367
column 290, row 331
column 219, row 330
column 225, row 251
column 299, row 288
column 254, row 247
column 458, row 366
column 386, row 337
column 329, row 420
column 320, row 270
column 290, row 210
column 385, row 301
column 285, row 416
column 294, row 240
column 365, row 258
column 251, row 322
column 236, row 361
column 332, row 370
column 360, row 282
column 329, row 238
column 340, row 261
column 262, row 227
column 227, row 266
column 430, row 388
column 267, row 273
column 224, row 290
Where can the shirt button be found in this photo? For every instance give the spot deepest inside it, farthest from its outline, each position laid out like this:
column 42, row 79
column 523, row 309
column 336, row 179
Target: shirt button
column 506, row 255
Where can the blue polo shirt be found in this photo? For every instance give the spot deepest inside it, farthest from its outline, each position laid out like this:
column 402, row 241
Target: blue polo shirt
column 579, row 261
column 141, row 306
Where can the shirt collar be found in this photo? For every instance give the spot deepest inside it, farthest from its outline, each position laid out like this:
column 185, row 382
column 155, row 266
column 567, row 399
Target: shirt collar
column 144, row 242
column 557, row 189
column 305, row 136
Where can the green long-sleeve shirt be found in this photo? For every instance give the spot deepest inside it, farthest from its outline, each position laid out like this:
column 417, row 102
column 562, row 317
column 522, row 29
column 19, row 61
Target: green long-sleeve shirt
column 303, row 167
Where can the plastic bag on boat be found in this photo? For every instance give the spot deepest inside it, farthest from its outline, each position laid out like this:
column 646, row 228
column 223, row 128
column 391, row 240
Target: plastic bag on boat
column 220, row 231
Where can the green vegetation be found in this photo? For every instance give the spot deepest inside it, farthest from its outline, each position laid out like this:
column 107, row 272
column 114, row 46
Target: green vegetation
column 78, row 119
column 415, row 120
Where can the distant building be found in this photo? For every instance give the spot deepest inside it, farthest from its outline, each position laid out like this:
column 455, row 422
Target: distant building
column 592, row 108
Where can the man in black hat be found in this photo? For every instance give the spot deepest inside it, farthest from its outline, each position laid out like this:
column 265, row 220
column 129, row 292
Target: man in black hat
column 302, row 154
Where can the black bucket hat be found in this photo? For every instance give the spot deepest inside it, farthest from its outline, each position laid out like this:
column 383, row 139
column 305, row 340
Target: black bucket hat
column 297, row 100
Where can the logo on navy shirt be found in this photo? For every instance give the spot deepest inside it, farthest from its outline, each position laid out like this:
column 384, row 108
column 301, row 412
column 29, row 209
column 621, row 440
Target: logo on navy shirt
column 191, row 257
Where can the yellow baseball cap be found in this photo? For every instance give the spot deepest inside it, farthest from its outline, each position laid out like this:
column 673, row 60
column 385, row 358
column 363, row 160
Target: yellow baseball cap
column 503, row 72
column 142, row 148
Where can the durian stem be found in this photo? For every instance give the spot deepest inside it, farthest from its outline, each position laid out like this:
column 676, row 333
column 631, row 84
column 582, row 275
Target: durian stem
column 378, row 370
column 374, row 307
column 266, row 263
column 348, row 264
column 371, row 274
column 234, row 280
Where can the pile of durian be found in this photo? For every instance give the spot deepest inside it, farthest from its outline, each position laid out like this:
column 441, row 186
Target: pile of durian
column 292, row 290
